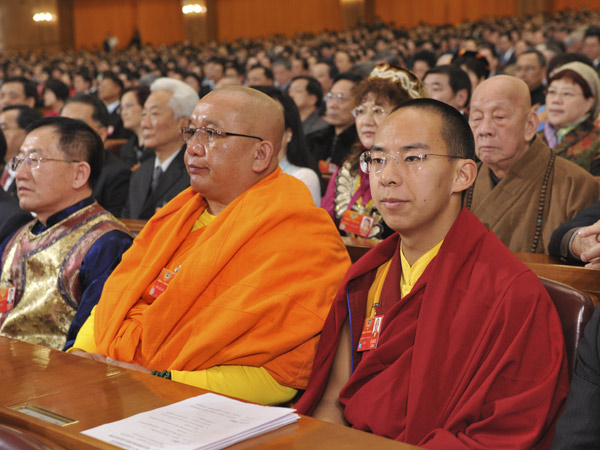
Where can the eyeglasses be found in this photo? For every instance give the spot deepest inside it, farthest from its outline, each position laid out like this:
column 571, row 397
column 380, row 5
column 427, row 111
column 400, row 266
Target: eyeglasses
column 566, row 95
column 378, row 111
column 408, row 162
column 528, row 69
column 33, row 161
column 206, row 135
column 339, row 97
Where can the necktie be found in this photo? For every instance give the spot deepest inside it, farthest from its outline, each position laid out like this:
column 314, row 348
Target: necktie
column 4, row 178
column 157, row 173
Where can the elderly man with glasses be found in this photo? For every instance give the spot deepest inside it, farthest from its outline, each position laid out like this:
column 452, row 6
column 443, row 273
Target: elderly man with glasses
column 54, row 267
column 439, row 337
column 228, row 285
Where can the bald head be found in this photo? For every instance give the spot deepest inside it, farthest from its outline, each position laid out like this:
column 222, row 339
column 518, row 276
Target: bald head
column 239, row 147
column 511, row 88
column 502, row 122
column 254, row 112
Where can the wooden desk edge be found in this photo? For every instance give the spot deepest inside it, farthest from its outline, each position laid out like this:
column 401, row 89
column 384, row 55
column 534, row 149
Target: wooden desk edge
column 55, row 433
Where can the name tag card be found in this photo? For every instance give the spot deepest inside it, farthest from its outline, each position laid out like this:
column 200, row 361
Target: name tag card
column 7, row 299
column 356, row 223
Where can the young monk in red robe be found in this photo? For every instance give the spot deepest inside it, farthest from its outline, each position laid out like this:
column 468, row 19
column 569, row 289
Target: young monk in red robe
column 228, row 286
column 439, row 336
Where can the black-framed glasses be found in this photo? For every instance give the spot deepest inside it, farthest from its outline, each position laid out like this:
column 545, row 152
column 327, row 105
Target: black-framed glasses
column 33, row 161
column 206, row 135
column 408, row 162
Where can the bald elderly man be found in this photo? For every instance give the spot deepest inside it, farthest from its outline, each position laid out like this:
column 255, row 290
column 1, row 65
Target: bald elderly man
column 225, row 287
column 523, row 192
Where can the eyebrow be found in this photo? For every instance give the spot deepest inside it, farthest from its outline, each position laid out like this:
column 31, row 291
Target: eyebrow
column 405, row 148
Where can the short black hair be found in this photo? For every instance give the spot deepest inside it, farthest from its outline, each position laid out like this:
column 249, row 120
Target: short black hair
column 266, row 71
column 100, row 113
column 26, row 115
column 84, row 73
column 313, row 87
column 29, row 87
column 458, row 78
column 333, row 71
column 473, row 61
column 424, row 55
column 60, row 89
column 114, row 78
column 77, row 140
column 540, row 56
column 592, row 31
column 281, row 61
column 349, row 76
column 565, row 58
column 455, row 131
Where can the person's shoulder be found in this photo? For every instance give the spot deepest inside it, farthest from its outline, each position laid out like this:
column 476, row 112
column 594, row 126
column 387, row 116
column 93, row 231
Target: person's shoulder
column 568, row 170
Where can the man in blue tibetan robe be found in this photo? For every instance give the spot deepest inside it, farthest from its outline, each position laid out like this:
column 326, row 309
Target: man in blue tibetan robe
column 54, row 268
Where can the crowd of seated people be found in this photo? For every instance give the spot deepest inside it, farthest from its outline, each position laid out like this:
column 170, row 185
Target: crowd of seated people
column 451, row 146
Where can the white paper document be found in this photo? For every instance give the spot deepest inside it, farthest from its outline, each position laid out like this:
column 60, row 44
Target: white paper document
column 209, row 421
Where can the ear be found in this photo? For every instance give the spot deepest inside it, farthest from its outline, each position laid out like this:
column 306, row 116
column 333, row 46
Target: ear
column 82, row 175
column 263, row 153
column 103, row 133
column 287, row 136
column 590, row 101
column 465, row 175
column 531, row 123
column 461, row 97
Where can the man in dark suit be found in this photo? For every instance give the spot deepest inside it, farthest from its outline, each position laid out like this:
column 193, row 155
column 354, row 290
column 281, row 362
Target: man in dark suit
column 110, row 90
column 13, row 121
column 113, row 184
column 11, row 216
column 163, row 176
column 591, row 45
column 579, row 425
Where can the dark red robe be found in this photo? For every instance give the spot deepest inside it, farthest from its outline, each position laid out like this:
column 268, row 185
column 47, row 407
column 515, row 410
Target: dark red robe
column 473, row 357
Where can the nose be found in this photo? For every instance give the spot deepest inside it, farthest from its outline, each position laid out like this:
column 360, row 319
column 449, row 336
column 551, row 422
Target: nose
column 195, row 147
column 145, row 122
column 484, row 128
column 390, row 174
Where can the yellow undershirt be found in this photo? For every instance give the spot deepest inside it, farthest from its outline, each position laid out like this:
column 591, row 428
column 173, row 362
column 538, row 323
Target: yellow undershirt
column 249, row 383
column 410, row 276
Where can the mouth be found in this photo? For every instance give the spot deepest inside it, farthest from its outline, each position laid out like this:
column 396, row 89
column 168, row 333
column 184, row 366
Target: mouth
column 197, row 169
column 392, row 203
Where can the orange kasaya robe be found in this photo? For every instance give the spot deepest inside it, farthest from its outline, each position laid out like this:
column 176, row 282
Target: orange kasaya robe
column 253, row 288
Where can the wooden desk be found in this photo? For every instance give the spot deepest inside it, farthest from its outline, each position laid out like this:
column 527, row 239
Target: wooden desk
column 94, row 393
column 551, row 267
column 358, row 246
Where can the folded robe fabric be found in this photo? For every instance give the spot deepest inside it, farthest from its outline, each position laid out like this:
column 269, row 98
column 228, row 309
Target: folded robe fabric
column 473, row 357
column 253, row 289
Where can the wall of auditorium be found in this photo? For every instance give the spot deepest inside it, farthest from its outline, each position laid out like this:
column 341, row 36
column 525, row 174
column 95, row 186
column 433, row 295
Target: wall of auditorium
column 18, row 31
column 79, row 23
column 158, row 21
column 255, row 18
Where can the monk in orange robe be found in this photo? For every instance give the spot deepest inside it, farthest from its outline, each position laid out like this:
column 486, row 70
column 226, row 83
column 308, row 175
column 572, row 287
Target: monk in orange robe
column 228, row 286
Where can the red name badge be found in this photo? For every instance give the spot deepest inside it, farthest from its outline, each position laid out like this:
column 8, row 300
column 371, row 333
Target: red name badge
column 161, row 283
column 7, row 299
column 369, row 337
column 356, row 223
column 327, row 167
